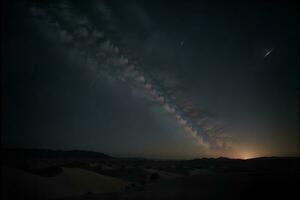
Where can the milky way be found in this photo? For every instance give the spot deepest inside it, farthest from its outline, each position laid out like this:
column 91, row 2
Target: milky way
column 110, row 60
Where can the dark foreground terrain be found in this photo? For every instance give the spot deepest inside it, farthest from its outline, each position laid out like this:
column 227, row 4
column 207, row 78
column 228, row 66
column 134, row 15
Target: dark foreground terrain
column 46, row 174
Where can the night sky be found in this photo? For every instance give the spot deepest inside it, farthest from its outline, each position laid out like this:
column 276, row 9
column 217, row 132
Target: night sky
column 157, row 79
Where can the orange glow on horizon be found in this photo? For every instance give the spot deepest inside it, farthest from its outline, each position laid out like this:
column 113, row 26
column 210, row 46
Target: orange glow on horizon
column 246, row 155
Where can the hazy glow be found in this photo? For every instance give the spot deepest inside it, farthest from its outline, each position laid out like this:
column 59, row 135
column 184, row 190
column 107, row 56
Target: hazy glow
column 247, row 155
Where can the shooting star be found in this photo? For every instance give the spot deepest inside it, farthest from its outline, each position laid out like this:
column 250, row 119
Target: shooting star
column 268, row 52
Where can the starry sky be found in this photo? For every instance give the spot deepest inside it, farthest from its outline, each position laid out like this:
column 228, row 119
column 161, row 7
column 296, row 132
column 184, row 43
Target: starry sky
column 156, row 79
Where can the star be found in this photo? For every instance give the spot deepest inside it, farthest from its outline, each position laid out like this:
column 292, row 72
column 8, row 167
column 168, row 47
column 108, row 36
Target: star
column 182, row 43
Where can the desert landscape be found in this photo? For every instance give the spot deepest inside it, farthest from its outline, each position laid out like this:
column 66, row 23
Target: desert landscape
column 49, row 174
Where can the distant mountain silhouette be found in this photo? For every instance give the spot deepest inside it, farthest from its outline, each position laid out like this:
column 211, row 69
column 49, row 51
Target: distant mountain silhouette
column 36, row 158
column 54, row 153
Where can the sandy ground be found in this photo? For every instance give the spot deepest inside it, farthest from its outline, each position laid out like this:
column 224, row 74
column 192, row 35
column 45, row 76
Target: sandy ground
column 212, row 186
column 164, row 174
column 75, row 183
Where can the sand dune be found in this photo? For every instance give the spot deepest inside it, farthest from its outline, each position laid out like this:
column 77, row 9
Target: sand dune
column 72, row 181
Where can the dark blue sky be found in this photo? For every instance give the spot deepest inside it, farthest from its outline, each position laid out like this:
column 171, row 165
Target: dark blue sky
column 154, row 79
